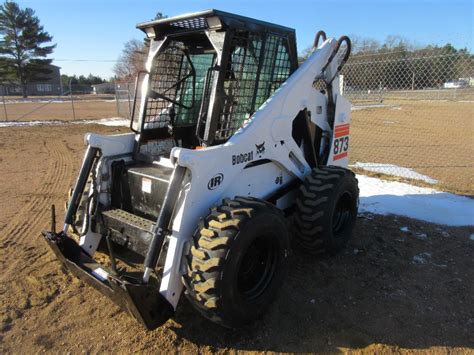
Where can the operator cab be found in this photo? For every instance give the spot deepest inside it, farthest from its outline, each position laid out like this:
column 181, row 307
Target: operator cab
column 207, row 73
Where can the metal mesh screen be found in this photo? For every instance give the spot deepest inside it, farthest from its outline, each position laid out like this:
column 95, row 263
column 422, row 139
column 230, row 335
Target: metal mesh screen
column 257, row 67
column 169, row 67
column 275, row 69
column 197, row 23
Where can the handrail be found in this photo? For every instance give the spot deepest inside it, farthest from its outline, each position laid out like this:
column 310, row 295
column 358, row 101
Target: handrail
column 347, row 53
column 319, row 34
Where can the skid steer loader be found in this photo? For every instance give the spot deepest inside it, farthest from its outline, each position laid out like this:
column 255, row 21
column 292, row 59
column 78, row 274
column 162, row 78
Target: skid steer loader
column 233, row 149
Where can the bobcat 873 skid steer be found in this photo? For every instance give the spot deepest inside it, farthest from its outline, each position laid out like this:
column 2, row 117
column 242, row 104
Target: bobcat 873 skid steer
column 233, row 149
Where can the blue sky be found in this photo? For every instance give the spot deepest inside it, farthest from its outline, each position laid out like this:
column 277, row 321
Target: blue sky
column 95, row 30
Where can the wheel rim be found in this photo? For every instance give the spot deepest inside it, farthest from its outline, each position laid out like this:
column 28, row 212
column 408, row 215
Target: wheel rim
column 257, row 267
column 342, row 213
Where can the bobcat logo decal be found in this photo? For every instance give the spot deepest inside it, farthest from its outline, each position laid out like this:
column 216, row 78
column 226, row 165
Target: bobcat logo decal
column 260, row 148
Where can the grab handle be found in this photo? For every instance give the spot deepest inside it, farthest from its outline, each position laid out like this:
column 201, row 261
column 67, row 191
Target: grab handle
column 347, row 53
column 317, row 37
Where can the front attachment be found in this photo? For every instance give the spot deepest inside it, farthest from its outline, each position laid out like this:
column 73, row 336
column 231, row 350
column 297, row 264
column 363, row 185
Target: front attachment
column 141, row 300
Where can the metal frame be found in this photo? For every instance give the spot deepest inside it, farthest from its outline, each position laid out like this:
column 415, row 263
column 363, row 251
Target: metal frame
column 222, row 30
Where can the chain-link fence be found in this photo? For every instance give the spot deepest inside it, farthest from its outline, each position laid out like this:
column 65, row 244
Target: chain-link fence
column 72, row 102
column 413, row 113
column 413, row 116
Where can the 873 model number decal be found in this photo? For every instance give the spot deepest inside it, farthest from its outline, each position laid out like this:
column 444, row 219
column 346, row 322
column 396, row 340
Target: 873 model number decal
column 341, row 142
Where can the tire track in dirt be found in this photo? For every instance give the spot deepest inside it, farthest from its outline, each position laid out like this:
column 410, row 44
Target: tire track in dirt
column 27, row 282
column 23, row 231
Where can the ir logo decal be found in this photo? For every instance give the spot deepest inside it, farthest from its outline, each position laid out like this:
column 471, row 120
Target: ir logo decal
column 215, row 181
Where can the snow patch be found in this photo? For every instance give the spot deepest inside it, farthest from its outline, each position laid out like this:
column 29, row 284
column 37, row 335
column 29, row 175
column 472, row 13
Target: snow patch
column 394, row 170
column 421, row 258
column 116, row 121
column 392, row 197
column 365, row 107
column 471, row 237
column 422, row 236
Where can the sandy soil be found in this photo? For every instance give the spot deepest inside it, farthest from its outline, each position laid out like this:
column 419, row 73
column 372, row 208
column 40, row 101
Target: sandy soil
column 63, row 111
column 388, row 291
column 433, row 138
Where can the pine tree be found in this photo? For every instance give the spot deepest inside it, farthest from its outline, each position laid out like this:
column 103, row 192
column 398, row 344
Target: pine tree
column 22, row 50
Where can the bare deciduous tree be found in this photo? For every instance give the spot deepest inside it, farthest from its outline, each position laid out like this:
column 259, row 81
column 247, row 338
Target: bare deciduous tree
column 131, row 60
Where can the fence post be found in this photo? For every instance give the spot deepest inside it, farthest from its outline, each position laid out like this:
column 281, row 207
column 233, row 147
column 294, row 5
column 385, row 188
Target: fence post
column 4, row 104
column 129, row 101
column 72, row 99
column 116, row 99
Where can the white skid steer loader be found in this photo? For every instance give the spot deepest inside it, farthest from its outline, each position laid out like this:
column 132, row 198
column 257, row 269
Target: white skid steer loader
column 233, row 148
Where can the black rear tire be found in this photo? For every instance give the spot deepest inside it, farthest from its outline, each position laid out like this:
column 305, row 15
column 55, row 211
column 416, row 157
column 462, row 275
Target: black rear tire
column 326, row 210
column 237, row 261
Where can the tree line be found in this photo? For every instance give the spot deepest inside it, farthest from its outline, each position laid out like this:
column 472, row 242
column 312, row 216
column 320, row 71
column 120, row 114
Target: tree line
column 24, row 46
column 81, row 80
column 398, row 64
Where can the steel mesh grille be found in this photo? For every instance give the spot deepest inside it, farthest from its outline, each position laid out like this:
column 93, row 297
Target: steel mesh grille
column 257, row 67
column 198, row 23
column 169, row 67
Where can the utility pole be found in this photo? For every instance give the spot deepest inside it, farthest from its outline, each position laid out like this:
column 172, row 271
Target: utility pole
column 72, row 99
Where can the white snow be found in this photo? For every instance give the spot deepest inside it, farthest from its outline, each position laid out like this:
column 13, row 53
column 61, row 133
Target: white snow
column 404, row 229
column 394, row 170
column 57, row 101
column 365, row 107
column 471, row 237
column 116, row 121
column 392, row 197
column 421, row 258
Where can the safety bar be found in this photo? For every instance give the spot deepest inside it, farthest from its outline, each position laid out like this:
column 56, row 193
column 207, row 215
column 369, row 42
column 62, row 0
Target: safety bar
column 164, row 220
column 81, row 181
column 340, row 41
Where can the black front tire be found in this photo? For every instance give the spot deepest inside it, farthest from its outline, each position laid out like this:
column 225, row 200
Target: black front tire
column 326, row 210
column 237, row 261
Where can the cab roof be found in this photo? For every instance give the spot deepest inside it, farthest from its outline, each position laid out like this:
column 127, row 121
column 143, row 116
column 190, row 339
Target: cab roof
column 211, row 19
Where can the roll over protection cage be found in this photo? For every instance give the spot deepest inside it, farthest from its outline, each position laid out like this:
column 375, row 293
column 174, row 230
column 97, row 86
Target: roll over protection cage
column 259, row 49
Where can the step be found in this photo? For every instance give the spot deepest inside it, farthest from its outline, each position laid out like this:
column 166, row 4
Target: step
column 132, row 231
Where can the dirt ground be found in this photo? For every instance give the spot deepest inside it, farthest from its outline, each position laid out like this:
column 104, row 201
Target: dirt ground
column 389, row 291
column 52, row 109
column 432, row 137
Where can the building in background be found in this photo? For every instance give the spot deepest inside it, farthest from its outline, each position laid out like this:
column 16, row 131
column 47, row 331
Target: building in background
column 104, row 88
column 50, row 85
